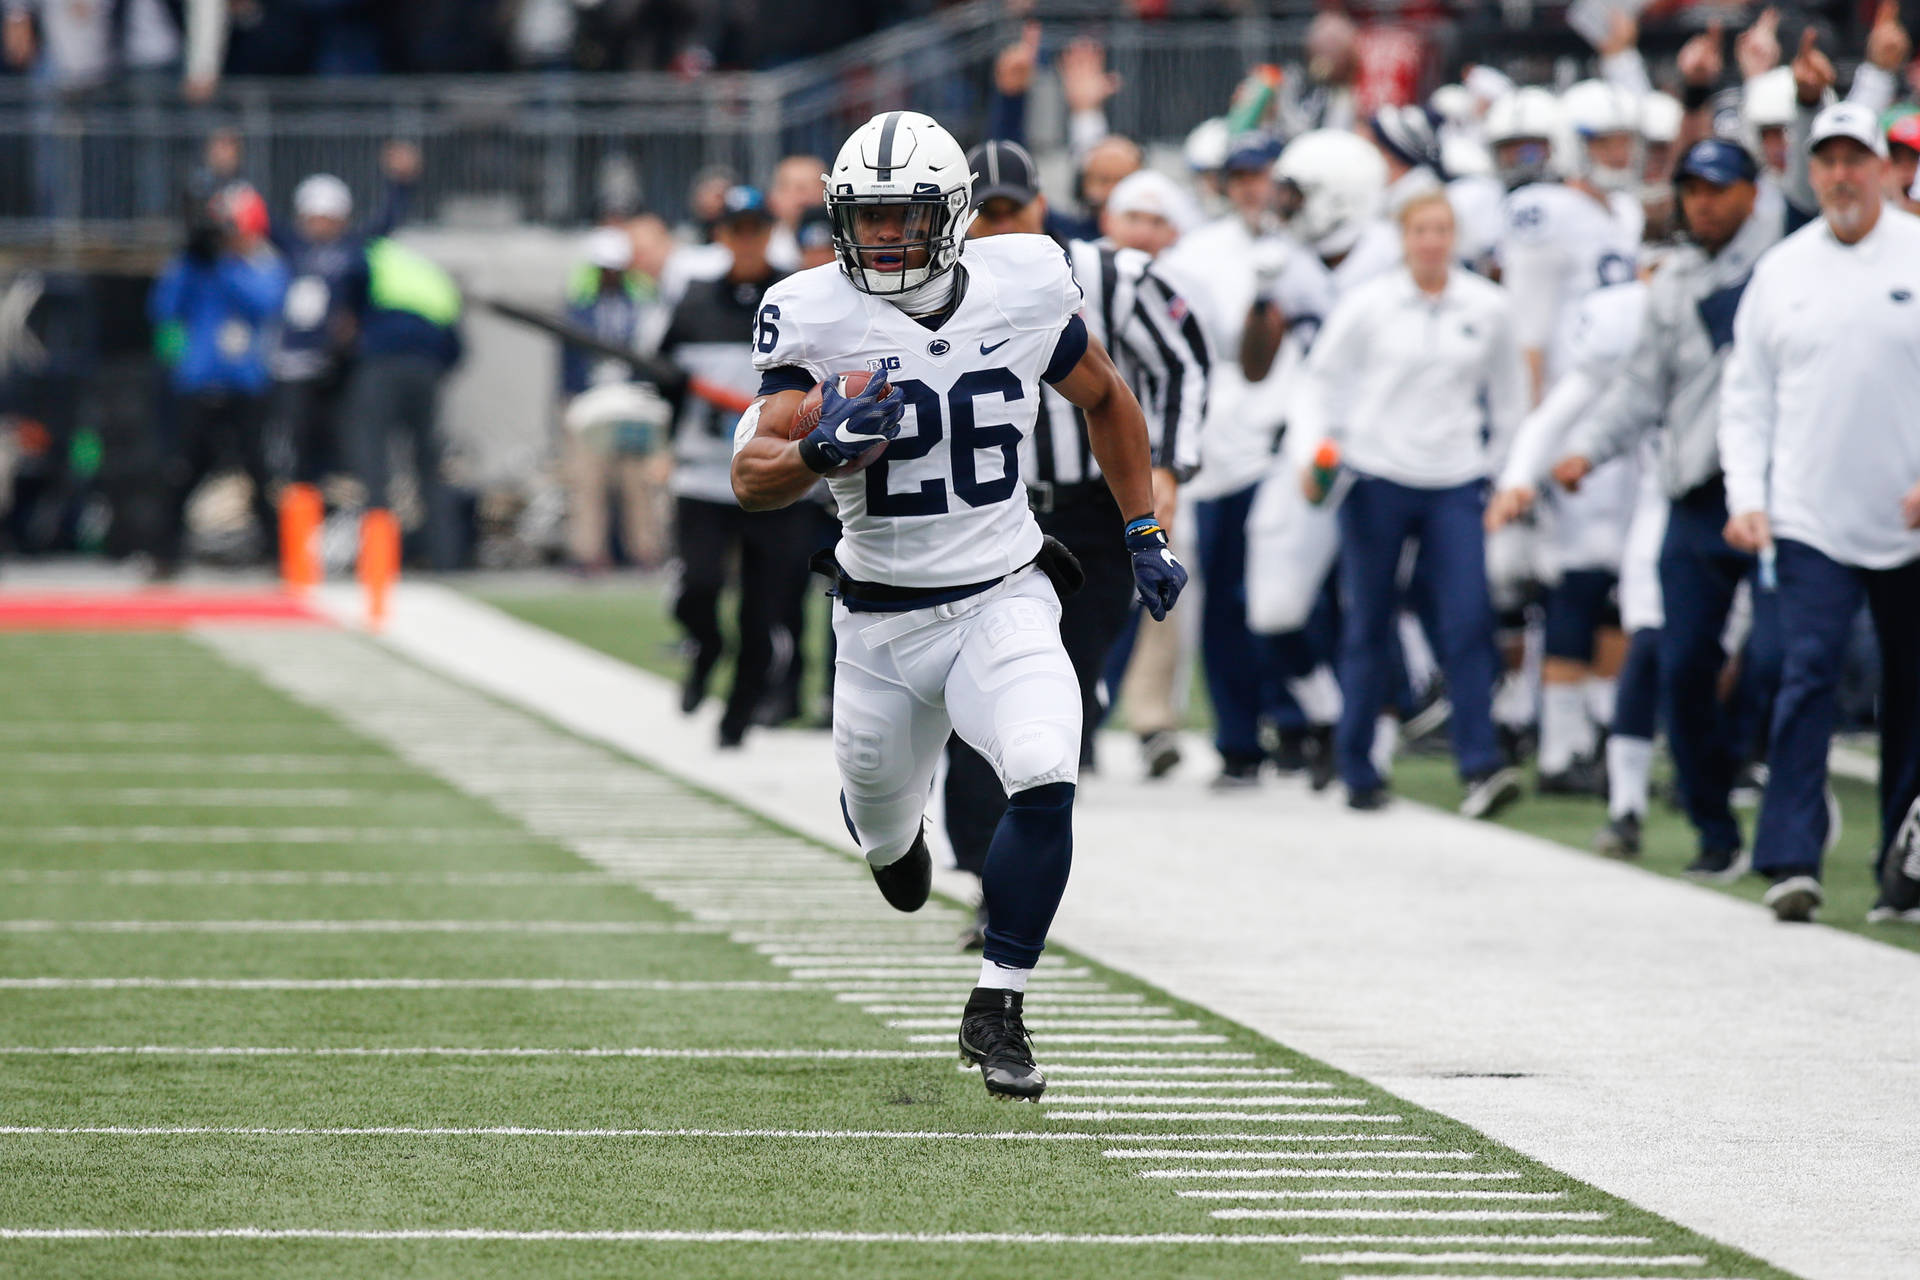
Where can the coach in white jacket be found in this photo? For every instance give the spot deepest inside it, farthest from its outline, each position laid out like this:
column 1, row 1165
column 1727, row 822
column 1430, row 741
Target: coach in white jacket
column 1820, row 437
column 1413, row 376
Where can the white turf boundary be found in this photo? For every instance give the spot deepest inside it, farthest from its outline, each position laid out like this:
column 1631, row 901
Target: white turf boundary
column 1755, row 1082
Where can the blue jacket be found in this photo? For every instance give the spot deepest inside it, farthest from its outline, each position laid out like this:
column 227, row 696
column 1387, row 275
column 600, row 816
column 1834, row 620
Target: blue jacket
column 412, row 309
column 614, row 317
column 224, row 313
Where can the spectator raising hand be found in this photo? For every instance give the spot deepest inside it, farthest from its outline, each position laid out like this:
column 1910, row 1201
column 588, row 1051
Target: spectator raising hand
column 1888, row 44
column 1756, row 50
column 1013, row 68
column 1084, row 77
column 1812, row 70
column 1700, row 61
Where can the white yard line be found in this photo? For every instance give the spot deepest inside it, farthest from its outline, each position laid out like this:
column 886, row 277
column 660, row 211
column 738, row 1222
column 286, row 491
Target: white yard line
column 1198, row 1084
column 1285, row 1155
column 609, row 985
column 654, row 1237
column 1264, row 1117
column 1154, row 1100
column 158, row 878
column 1353, row 1193
column 1482, row 1258
column 1447, row 1175
column 608, row 927
column 463, row 1051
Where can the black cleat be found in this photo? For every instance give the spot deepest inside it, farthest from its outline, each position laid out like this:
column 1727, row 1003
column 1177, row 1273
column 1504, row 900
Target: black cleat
column 993, row 1038
column 1584, row 777
column 1489, row 793
column 1367, row 800
column 906, row 881
column 693, row 686
column 1719, row 866
column 1320, row 765
column 1289, row 754
column 1620, row 838
column 1160, row 752
column 1899, row 898
column 1794, row 899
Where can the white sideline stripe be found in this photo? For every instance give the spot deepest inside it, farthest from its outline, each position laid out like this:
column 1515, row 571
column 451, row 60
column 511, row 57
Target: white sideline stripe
column 944, row 1001
column 1291, row 1155
column 1262, row 1193
column 1377, row 1259
column 322, row 879
column 237, row 797
column 1158, row 1100
column 458, row 1051
column 612, row 927
column 383, row 985
column 1273, row 1117
column 1346, row 1193
column 1445, row 1175
column 1045, row 1024
column 525, row 1131
column 647, row 1237
column 1096, row 1038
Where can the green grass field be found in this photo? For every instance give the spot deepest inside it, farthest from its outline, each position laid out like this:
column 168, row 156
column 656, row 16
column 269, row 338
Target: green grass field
column 266, row 975
column 631, row 622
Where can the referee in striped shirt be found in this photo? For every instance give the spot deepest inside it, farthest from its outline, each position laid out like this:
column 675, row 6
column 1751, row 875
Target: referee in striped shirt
column 1159, row 349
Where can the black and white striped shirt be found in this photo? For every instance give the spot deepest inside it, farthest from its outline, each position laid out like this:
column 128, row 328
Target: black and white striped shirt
column 1159, row 348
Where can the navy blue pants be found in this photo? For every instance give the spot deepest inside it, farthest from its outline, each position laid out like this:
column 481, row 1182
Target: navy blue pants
column 1376, row 520
column 1244, row 677
column 1819, row 598
column 1577, row 607
column 1699, row 573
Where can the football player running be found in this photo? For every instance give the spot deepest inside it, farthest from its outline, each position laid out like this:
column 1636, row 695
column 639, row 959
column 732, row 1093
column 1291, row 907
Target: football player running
column 947, row 614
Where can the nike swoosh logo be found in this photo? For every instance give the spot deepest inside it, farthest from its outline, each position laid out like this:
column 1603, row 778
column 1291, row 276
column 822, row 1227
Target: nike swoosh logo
column 986, row 350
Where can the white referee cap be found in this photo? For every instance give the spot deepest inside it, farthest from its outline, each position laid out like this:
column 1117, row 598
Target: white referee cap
column 1150, row 191
column 1848, row 120
column 321, row 195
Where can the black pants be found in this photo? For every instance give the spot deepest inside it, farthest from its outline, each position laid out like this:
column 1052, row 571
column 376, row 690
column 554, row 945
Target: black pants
column 772, row 549
column 399, row 395
column 215, row 428
column 302, row 427
column 1090, row 524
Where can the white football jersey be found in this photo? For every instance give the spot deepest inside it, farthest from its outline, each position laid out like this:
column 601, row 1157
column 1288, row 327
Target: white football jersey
column 1560, row 245
column 944, row 505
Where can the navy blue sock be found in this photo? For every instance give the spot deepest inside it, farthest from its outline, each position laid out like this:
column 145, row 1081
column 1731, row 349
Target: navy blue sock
column 1636, row 697
column 1026, row 872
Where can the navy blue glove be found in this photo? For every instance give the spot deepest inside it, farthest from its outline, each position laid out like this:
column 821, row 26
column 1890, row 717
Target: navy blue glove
column 1158, row 577
column 851, row 425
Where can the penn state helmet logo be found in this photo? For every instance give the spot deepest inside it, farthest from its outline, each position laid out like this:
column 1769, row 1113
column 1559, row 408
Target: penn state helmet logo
column 939, row 347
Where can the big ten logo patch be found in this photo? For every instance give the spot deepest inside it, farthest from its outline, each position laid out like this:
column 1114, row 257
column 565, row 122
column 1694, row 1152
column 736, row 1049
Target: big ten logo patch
column 883, row 364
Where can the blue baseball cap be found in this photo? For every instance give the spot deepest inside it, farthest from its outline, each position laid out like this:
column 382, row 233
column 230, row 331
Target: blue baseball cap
column 1251, row 151
column 744, row 201
column 1717, row 161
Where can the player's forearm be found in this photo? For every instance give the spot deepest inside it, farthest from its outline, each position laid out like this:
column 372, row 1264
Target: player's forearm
column 768, row 474
column 1260, row 340
column 1117, row 431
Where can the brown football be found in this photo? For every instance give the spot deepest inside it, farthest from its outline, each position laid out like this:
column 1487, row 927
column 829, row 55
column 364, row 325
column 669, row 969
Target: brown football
column 850, row 384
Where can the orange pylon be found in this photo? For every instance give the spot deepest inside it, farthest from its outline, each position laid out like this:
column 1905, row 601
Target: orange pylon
column 301, row 512
column 379, row 561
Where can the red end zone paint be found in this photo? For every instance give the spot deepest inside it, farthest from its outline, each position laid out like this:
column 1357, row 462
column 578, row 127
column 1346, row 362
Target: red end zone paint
column 146, row 610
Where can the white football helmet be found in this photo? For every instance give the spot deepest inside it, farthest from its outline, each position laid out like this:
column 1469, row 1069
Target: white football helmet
column 898, row 160
column 1524, row 130
column 1660, row 117
column 1335, row 180
column 1595, row 109
column 1206, row 146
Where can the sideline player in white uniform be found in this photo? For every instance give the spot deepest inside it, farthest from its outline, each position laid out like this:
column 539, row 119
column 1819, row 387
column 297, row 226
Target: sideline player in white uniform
column 1563, row 242
column 947, row 617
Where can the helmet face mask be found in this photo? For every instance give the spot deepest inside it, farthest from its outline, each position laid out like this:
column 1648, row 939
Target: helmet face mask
column 897, row 203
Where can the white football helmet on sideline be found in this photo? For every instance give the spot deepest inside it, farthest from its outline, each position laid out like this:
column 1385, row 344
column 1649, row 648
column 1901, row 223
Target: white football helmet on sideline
column 1336, row 179
column 898, row 161
column 1524, row 130
column 1604, row 120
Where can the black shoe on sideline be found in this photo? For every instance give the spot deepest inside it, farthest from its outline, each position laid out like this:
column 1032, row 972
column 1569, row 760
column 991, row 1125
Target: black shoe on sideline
column 993, row 1038
column 1584, row 777
column 693, row 688
column 1620, row 838
column 1794, row 899
column 1320, row 770
column 1289, row 754
column 1489, row 793
column 906, row 881
column 1237, row 775
column 1721, row 866
column 1160, row 752
column 1370, row 800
